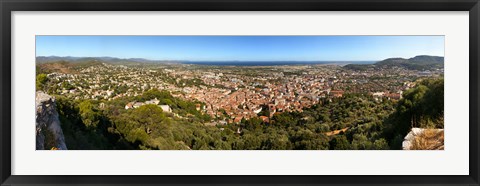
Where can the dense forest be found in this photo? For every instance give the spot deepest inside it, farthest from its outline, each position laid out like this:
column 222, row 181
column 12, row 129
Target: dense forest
column 354, row 121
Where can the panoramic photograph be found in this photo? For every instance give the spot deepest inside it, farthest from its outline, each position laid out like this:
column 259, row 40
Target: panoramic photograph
column 239, row 92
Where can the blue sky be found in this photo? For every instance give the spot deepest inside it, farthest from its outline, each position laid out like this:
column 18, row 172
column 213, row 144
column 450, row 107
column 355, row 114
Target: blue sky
column 242, row 48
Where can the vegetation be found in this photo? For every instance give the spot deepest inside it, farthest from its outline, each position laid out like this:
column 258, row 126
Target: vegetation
column 359, row 67
column 368, row 124
column 429, row 139
column 355, row 120
column 40, row 82
column 420, row 107
column 415, row 63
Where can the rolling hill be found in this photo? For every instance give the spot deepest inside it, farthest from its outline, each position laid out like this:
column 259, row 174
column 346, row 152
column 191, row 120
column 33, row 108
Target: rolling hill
column 53, row 59
column 422, row 62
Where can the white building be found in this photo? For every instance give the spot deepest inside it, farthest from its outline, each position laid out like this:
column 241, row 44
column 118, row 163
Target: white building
column 165, row 108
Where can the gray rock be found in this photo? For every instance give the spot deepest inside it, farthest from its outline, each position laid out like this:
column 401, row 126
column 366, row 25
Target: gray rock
column 49, row 134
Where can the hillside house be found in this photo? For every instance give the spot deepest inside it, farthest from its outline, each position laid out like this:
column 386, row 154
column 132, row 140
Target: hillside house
column 238, row 119
column 153, row 101
column 337, row 93
column 129, row 106
column 265, row 119
column 138, row 104
column 197, row 107
column 166, row 108
column 394, row 96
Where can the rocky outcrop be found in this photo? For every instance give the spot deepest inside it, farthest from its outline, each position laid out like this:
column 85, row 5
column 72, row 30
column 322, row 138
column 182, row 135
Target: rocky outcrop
column 424, row 139
column 49, row 134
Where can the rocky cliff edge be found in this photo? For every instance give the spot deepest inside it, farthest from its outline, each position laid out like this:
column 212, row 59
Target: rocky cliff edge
column 49, row 134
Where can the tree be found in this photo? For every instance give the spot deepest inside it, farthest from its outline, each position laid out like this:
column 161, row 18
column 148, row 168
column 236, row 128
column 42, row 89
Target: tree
column 361, row 142
column 88, row 114
column 40, row 82
column 340, row 142
column 152, row 120
column 421, row 106
column 380, row 144
column 148, row 115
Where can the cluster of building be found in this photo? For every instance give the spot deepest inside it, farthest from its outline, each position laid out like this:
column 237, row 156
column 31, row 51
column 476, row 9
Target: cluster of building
column 236, row 93
column 107, row 82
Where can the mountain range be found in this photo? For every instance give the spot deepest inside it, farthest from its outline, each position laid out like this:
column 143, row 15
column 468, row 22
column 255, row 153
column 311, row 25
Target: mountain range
column 48, row 59
column 421, row 62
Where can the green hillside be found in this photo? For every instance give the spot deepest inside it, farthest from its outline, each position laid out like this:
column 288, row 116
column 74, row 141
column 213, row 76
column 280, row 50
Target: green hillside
column 422, row 62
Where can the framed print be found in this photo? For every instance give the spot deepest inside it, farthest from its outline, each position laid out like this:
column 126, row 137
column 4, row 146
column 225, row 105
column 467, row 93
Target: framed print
column 239, row 92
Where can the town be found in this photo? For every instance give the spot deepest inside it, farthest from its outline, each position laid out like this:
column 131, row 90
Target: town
column 232, row 93
column 240, row 92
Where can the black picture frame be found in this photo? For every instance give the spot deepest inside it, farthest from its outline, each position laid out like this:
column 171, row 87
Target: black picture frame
column 8, row 6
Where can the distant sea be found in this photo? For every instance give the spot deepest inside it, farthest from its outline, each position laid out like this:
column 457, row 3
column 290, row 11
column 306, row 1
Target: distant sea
column 274, row 63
